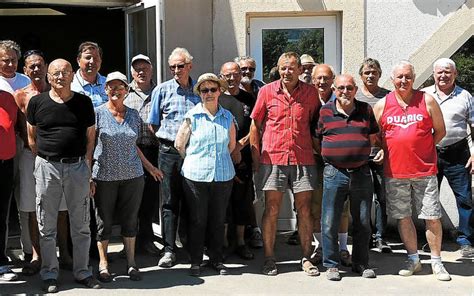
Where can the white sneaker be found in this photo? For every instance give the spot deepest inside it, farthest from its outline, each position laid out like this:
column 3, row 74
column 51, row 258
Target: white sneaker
column 411, row 267
column 440, row 272
column 167, row 260
column 6, row 274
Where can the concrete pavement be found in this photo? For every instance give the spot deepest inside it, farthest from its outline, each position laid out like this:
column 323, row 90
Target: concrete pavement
column 246, row 277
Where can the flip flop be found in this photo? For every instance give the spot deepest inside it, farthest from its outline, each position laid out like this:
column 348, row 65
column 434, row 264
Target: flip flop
column 269, row 267
column 134, row 273
column 309, row 269
column 104, row 275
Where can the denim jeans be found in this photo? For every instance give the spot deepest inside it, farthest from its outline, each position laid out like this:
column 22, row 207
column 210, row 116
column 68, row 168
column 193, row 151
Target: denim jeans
column 451, row 165
column 380, row 201
column 339, row 184
column 170, row 162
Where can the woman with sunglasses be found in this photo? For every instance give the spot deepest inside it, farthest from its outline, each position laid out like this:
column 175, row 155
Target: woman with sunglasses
column 205, row 140
column 118, row 173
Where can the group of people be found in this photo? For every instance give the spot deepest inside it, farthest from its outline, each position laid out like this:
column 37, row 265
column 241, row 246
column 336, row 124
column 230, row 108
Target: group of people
column 208, row 148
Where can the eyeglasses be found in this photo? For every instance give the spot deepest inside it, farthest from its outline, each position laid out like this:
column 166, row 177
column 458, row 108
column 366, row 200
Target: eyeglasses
column 179, row 66
column 117, row 88
column 250, row 69
column 342, row 88
column 230, row 75
column 58, row 73
column 206, row 90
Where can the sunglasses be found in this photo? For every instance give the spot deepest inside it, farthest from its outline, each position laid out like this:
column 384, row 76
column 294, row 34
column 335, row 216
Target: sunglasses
column 179, row 66
column 341, row 88
column 206, row 90
column 250, row 69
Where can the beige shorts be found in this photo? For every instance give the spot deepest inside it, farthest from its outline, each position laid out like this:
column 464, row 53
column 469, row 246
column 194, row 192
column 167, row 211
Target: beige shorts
column 422, row 192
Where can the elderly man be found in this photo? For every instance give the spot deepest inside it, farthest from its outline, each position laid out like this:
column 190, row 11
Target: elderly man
column 412, row 124
column 323, row 78
column 282, row 118
column 455, row 161
column 346, row 129
column 170, row 102
column 370, row 92
column 36, row 68
column 87, row 80
column 8, row 116
column 240, row 103
column 307, row 62
column 139, row 98
column 61, row 132
column 248, row 82
column 10, row 54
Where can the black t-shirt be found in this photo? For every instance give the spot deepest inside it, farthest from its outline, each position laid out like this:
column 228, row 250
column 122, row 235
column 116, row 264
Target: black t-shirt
column 241, row 107
column 61, row 128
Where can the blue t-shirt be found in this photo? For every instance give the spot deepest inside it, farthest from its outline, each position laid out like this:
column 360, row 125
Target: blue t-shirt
column 115, row 156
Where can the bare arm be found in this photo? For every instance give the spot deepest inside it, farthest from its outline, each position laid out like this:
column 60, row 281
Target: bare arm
column 232, row 135
column 182, row 138
column 32, row 138
column 154, row 171
column 439, row 130
column 90, row 134
column 255, row 136
column 470, row 161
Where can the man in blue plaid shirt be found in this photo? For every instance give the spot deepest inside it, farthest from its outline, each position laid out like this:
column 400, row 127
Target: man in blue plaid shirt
column 170, row 102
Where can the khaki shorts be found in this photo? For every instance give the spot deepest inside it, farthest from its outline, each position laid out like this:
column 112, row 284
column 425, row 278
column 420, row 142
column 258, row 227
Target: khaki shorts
column 298, row 178
column 423, row 192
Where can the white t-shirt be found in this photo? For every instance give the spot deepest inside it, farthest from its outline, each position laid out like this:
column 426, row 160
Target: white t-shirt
column 18, row 81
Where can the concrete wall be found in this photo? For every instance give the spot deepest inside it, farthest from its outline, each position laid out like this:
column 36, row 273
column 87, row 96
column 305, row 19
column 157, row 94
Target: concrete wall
column 188, row 23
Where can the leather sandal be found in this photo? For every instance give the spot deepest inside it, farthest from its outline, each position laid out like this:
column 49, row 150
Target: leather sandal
column 269, row 266
column 104, row 275
column 134, row 273
column 31, row 268
column 308, row 267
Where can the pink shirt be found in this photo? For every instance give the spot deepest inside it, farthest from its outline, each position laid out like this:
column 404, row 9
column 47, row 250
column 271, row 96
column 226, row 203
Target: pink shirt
column 8, row 113
column 287, row 123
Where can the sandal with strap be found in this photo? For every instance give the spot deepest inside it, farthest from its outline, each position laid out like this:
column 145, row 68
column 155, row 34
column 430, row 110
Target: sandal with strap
column 31, row 268
column 134, row 273
column 104, row 275
column 269, row 266
column 309, row 269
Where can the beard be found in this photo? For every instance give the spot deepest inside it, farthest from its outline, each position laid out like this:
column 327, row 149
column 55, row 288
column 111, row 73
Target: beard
column 245, row 80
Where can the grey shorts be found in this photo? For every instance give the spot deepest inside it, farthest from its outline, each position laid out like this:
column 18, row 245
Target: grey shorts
column 298, row 178
column 423, row 192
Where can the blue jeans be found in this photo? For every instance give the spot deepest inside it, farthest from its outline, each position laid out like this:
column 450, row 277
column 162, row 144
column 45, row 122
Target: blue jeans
column 170, row 162
column 451, row 165
column 339, row 184
column 380, row 201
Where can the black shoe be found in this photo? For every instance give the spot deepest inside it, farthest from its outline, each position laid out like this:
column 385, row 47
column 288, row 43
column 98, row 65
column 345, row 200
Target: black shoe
column 50, row 286
column 90, row 282
column 382, row 246
column 220, row 268
column 364, row 270
column 195, row 270
column 148, row 248
column 244, row 252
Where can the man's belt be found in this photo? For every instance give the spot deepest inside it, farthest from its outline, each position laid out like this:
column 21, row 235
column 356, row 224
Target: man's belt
column 453, row 147
column 62, row 159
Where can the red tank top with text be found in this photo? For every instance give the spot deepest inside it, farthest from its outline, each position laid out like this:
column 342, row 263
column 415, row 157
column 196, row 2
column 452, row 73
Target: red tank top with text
column 408, row 138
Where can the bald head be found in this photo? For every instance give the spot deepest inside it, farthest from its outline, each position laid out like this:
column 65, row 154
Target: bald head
column 60, row 75
column 231, row 73
column 345, row 88
column 61, row 63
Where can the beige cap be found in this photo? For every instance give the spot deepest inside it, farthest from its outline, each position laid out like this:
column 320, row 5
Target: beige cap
column 116, row 76
column 210, row 77
column 307, row 59
column 141, row 57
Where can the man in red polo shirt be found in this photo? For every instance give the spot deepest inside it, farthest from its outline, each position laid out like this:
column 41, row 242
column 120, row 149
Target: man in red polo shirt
column 8, row 114
column 282, row 153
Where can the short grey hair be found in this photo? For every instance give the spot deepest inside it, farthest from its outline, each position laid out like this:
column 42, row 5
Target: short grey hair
column 401, row 64
column 181, row 51
column 244, row 58
column 11, row 45
column 444, row 62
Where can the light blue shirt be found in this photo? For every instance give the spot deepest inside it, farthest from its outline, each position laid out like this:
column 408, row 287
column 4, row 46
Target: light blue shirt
column 207, row 155
column 94, row 91
column 115, row 156
column 169, row 104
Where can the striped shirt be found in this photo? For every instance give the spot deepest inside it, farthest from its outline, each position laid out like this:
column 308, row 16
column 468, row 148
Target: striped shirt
column 458, row 113
column 94, row 91
column 115, row 156
column 207, row 154
column 169, row 104
column 345, row 139
column 141, row 101
column 287, row 123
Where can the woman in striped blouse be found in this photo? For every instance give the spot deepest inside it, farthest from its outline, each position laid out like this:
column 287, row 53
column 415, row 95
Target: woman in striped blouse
column 205, row 140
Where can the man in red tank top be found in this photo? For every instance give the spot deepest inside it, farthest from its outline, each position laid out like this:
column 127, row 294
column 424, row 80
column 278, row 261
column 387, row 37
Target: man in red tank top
column 412, row 124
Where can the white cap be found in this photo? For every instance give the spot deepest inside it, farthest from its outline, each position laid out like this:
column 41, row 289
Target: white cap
column 141, row 57
column 116, row 76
